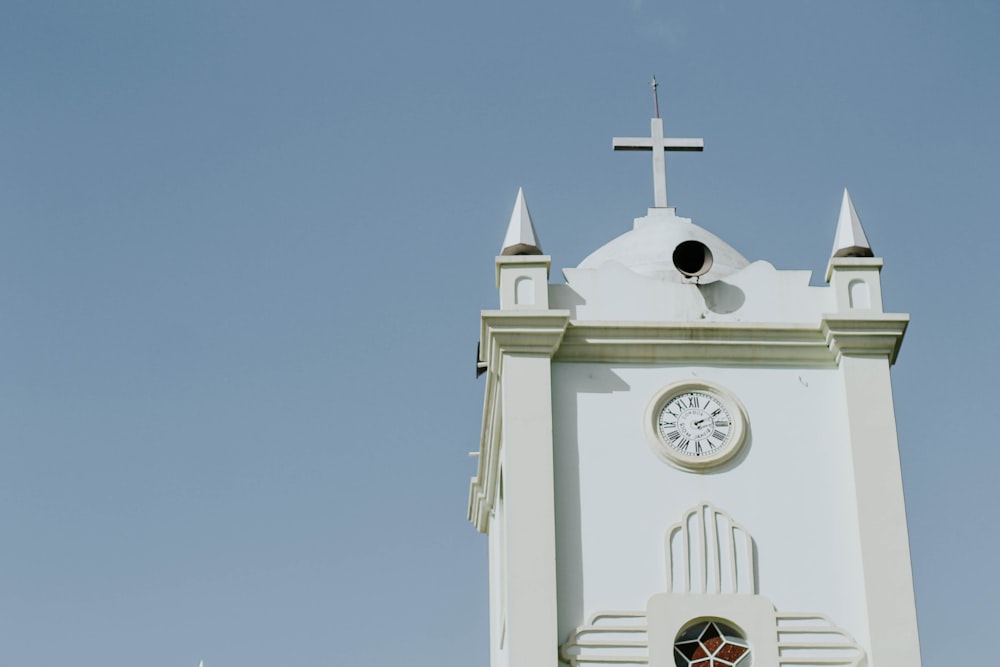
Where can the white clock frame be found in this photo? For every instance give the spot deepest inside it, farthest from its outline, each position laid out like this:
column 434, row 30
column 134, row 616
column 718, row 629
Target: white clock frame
column 738, row 430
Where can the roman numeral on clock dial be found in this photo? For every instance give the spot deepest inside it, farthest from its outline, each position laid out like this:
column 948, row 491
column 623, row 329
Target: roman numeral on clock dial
column 694, row 424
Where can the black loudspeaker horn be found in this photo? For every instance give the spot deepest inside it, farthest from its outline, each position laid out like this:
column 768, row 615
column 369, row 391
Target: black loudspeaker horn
column 692, row 258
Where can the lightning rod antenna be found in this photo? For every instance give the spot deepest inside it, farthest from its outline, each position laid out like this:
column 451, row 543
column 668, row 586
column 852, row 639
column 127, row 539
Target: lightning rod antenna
column 656, row 98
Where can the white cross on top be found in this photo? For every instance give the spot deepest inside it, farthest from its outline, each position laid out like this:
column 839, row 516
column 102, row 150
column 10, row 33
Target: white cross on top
column 659, row 145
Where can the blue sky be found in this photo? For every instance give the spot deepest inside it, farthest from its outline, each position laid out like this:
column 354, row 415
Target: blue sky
column 243, row 248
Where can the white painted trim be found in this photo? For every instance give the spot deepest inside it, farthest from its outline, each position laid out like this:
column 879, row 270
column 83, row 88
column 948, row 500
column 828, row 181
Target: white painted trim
column 505, row 332
column 718, row 551
column 813, row 639
column 483, row 487
column 852, row 264
column 781, row 639
column 803, row 639
column 872, row 336
column 734, row 343
column 608, row 638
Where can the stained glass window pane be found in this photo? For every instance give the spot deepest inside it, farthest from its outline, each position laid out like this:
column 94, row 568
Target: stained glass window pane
column 711, row 644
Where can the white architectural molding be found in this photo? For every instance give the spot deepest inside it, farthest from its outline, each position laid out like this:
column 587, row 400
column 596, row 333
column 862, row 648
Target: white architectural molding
column 813, row 639
column 710, row 574
column 874, row 336
column 608, row 638
column 534, row 333
column 521, row 332
column 621, row 638
column 737, row 343
column 654, row 342
column 708, row 552
column 483, row 487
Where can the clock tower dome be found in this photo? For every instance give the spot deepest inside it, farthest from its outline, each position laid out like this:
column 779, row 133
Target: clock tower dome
column 689, row 458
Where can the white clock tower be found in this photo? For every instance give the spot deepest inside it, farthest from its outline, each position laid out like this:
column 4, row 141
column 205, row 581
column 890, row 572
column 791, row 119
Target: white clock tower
column 689, row 458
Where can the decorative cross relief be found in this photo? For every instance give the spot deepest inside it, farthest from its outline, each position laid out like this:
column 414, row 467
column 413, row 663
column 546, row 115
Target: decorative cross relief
column 658, row 144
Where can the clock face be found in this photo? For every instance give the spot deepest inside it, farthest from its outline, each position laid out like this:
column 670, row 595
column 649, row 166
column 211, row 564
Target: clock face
column 695, row 424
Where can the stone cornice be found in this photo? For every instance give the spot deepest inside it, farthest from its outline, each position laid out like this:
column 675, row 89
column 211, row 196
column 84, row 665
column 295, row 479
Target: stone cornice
column 708, row 342
column 760, row 344
column 873, row 336
column 521, row 332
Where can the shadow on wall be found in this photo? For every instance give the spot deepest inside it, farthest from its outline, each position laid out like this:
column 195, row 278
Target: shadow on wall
column 721, row 297
column 569, row 541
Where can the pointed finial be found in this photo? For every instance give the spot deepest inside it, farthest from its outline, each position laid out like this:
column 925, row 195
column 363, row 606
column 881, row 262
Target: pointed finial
column 850, row 240
column 656, row 98
column 521, row 238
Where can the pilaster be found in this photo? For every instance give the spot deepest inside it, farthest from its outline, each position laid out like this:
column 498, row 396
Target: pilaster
column 529, row 504
column 885, row 550
column 517, row 346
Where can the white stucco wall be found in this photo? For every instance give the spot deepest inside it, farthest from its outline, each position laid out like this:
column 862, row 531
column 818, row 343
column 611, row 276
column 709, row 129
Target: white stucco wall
column 791, row 488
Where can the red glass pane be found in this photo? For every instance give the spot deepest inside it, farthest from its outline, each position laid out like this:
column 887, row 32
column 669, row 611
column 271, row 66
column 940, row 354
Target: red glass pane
column 713, row 644
column 731, row 652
